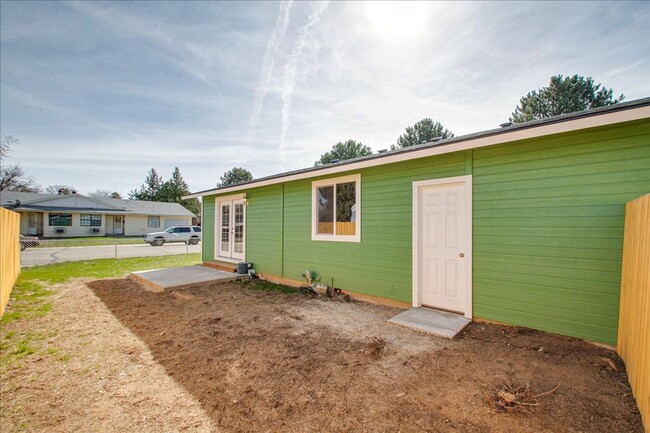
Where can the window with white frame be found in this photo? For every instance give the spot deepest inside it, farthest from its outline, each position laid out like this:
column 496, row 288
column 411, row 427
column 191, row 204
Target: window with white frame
column 90, row 220
column 153, row 221
column 60, row 219
column 336, row 209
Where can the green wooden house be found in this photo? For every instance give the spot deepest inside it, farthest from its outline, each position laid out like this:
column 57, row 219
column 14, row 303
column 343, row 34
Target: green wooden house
column 522, row 224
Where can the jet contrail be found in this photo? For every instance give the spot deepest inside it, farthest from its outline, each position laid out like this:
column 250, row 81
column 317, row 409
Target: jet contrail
column 272, row 46
column 316, row 10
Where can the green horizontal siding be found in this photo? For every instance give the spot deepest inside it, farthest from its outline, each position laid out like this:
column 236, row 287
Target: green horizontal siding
column 207, row 235
column 264, row 229
column 548, row 228
column 381, row 264
column 548, row 217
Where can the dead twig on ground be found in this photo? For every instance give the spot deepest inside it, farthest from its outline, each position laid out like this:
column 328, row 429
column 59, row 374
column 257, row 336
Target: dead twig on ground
column 511, row 398
column 544, row 394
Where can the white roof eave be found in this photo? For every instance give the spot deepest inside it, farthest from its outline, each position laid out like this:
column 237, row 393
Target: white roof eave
column 459, row 144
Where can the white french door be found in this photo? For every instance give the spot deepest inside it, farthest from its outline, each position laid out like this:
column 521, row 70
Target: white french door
column 231, row 224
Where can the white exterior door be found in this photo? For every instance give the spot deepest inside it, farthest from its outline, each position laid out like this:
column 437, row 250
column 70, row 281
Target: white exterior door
column 231, row 223
column 118, row 225
column 443, row 250
column 32, row 221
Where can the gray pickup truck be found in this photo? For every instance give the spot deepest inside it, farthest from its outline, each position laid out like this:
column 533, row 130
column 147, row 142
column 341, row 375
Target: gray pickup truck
column 186, row 234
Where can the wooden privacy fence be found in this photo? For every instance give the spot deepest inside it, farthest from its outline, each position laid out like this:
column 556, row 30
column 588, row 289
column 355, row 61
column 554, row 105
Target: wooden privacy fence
column 634, row 315
column 9, row 254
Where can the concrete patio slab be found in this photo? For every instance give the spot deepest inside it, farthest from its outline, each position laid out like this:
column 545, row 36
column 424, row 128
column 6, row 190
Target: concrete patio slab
column 432, row 321
column 161, row 280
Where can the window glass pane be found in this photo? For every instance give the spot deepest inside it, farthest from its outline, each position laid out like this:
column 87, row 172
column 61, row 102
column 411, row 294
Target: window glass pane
column 154, row 221
column 239, row 228
column 197, row 228
column 325, row 210
column 346, row 208
column 225, row 228
column 185, row 230
column 60, row 219
column 90, row 220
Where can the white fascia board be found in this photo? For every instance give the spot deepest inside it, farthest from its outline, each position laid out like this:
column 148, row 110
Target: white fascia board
column 569, row 125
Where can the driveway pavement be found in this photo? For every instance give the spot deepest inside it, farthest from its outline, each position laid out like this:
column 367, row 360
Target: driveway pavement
column 45, row 256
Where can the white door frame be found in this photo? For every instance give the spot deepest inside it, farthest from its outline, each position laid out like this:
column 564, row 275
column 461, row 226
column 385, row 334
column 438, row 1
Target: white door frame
column 466, row 181
column 32, row 230
column 122, row 221
column 217, row 227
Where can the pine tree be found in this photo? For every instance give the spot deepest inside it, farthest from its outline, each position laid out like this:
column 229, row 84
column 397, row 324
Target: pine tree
column 422, row 132
column 563, row 95
column 150, row 190
column 175, row 188
column 235, row 176
column 344, row 150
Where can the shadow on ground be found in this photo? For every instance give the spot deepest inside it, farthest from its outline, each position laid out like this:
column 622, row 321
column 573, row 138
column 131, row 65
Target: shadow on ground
column 256, row 364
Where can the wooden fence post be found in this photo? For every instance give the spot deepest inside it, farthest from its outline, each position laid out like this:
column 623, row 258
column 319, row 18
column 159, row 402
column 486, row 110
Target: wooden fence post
column 634, row 311
column 9, row 254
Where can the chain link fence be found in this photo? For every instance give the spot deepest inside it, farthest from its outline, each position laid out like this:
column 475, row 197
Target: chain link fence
column 36, row 252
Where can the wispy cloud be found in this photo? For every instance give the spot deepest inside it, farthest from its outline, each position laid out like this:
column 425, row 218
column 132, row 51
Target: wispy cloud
column 190, row 57
column 272, row 47
column 316, row 10
column 23, row 98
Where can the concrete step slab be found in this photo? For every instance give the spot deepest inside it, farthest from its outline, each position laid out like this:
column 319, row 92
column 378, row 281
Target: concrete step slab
column 431, row 321
column 161, row 280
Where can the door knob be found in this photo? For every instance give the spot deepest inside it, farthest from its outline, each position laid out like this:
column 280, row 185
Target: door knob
column 461, row 255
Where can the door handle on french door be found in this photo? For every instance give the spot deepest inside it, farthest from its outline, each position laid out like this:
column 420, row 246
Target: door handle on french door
column 461, row 255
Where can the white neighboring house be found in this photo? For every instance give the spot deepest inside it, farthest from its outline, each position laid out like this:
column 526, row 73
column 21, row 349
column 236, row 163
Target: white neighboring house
column 73, row 215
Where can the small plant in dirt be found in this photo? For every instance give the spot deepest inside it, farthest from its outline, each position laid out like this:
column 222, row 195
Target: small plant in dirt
column 314, row 286
column 510, row 397
column 376, row 347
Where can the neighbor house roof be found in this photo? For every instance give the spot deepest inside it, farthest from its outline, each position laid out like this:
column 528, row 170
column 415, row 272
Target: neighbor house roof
column 612, row 114
column 33, row 201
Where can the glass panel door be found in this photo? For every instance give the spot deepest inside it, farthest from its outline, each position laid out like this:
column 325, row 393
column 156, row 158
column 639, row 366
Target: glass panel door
column 224, row 245
column 231, row 222
column 238, row 223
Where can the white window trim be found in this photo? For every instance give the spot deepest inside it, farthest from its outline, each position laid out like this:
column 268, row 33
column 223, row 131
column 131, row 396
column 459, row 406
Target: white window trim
column 315, row 236
column 159, row 222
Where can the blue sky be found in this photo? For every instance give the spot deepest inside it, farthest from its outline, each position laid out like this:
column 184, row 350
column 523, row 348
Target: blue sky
column 100, row 92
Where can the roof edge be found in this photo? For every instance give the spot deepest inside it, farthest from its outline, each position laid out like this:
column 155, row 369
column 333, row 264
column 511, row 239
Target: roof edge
column 602, row 116
column 62, row 196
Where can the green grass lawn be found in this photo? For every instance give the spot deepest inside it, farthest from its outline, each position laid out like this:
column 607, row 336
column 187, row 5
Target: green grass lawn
column 29, row 295
column 30, row 299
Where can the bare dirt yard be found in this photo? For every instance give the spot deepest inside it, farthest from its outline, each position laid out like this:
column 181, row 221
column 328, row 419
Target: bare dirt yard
column 252, row 357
